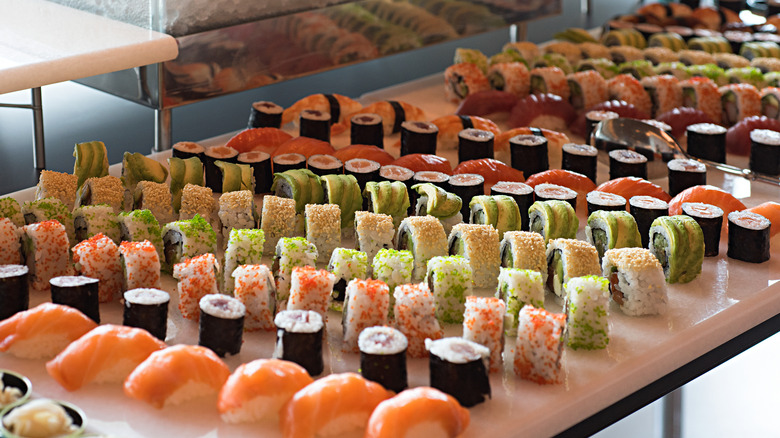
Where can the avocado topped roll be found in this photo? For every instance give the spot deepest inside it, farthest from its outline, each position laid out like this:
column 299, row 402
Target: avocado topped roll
column 500, row 211
column 434, row 201
column 236, row 176
column 137, row 167
column 91, row 161
column 479, row 244
column 612, row 229
column 183, row 172
column 524, row 250
column 567, row 259
column 678, row 243
column 553, row 219
column 344, row 191
column 389, row 198
column 424, row 236
column 302, row 185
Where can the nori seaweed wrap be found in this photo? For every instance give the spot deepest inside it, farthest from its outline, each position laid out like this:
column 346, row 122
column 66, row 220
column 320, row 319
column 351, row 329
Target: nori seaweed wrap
column 710, row 219
column 147, row 309
column 14, row 290
column 79, row 292
column 221, row 324
column 457, row 367
column 299, row 339
column 383, row 357
column 748, row 237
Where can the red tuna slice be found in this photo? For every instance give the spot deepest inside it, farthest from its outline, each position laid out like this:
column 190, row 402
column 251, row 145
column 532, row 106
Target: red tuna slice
column 738, row 136
column 544, row 111
column 680, row 118
column 486, row 102
column 621, row 107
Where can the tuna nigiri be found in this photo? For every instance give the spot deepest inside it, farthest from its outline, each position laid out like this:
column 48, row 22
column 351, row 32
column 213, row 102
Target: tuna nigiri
column 544, row 110
column 419, row 162
column 634, row 186
column 43, row 331
column 486, row 102
column 108, row 353
column 771, row 211
column 450, row 126
column 259, row 389
column 566, row 178
column 680, row 118
column 621, row 108
column 331, row 406
column 305, row 146
column 413, row 410
column 738, row 136
column 258, row 139
column 492, row 170
column 709, row 195
column 368, row 152
column 177, row 374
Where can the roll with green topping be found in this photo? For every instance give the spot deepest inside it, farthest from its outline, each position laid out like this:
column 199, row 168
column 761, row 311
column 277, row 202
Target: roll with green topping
column 344, row 191
column 137, row 167
column 140, row 225
column 678, row 243
column 389, row 198
column 612, row 229
column 183, row 172
column 302, row 185
column 91, row 161
column 187, row 239
column 500, row 211
column 553, row 219
column 244, row 247
column 236, row 176
column 439, row 203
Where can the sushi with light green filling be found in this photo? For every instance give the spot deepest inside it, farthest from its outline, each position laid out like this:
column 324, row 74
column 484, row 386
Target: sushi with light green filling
column 553, row 219
column 639, row 69
column 567, row 259
column 605, row 67
column 137, row 167
column 183, row 172
column 587, row 306
column 140, row 225
column 739, row 101
column 346, row 264
column 710, row 71
column 512, row 77
column 10, row 208
column 770, row 102
column 553, row 60
column 518, row 287
column 570, row 51
column 449, row 279
column 772, row 79
column 621, row 54
column 676, row 69
column 587, row 88
column 524, row 250
column 48, row 209
column 424, row 236
column 434, row 201
column 746, row 75
column 760, row 49
column 290, row 252
column 472, row 56
column 479, row 244
column 302, row 185
column 394, row 267
column 678, row 243
column 713, row 44
column 187, row 239
column 624, row 37
column 390, row 198
column 669, row 40
column 91, row 160
column 344, row 191
column 90, row 220
column 236, row 211
column 500, row 211
column 244, row 247
column 612, row 229
column 236, row 176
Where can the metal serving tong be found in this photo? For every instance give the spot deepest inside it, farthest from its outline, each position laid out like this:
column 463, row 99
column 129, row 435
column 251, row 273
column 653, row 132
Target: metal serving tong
column 648, row 139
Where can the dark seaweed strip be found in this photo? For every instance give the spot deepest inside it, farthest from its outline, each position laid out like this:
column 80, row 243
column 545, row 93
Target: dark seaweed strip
column 468, row 382
column 389, row 370
column 400, row 115
column 335, row 108
column 221, row 335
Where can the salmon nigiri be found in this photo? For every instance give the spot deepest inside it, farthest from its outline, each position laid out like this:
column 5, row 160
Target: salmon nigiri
column 258, row 390
column 331, row 406
column 420, row 162
column 177, row 374
column 413, row 411
column 368, row 152
column 390, row 112
column 566, row 178
column 107, row 353
column 771, row 211
column 634, row 186
column 492, row 170
column 258, row 139
column 339, row 107
column 43, row 331
column 451, row 125
column 305, row 146
column 709, row 195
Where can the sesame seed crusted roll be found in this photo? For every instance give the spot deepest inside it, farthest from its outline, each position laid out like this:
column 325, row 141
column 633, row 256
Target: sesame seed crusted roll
column 58, row 185
column 524, row 250
column 636, row 279
column 375, row 231
column 10, row 247
column 45, row 249
column 539, row 345
column 98, row 257
column 155, row 197
column 483, row 323
column 236, row 211
column 587, row 306
column 277, row 220
column 415, row 317
column 291, row 252
column 480, row 246
column 424, row 236
column 140, row 264
column 323, row 227
column 366, row 304
column 140, row 225
column 518, row 287
column 244, row 247
column 254, row 286
column 49, row 209
column 310, row 289
column 197, row 277
column 185, row 239
column 104, row 190
column 450, row 279
column 197, row 200
column 90, row 220
column 10, row 208
column 567, row 259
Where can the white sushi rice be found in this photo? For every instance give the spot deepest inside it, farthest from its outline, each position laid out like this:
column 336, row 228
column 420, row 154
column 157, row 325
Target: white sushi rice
column 457, row 350
column 393, row 267
column 366, row 304
column 429, row 240
column 450, row 280
column 46, row 252
column 539, row 347
column 189, row 391
column 42, row 346
column 254, row 286
column 146, row 297
column 587, row 307
column 374, row 231
column 415, row 317
column 259, row 408
column 98, row 219
column 244, row 247
column 518, row 287
column 236, row 211
column 291, row 252
column 299, row 321
column 311, row 289
column 141, row 265
column 9, row 242
column 382, row 340
column 483, row 323
column 640, row 280
column 222, row 306
column 323, row 227
column 527, row 250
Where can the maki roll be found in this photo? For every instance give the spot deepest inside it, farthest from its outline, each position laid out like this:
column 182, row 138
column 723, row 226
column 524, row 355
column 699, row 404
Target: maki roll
column 62, row 186
column 188, row 149
column 479, row 244
column 197, row 277
column 367, row 128
column 299, row 336
column 711, row 44
column 418, row 137
column 374, row 232
column 103, row 190
column 323, row 227
column 587, row 306
column 580, row 158
column 98, row 257
column 45, row 250
column 664, row 91
column 710, row 219
column 302, row 185
column 518, row 287
column 765, row 65
column 188, row 238
column 458, row 368
column 265, row 114
column 363, row 170
column 415, row 317
column 244, row 247
column 592, row 119
column 10, row 209
column 549, row 80
column 622, row 54
column 183, row 172
column 393, row 114
column 450, row 279
column 345, row 265
column 539, row 346
column 260, row 163
column 524, row 250
column 344, row 191
column 437, row 202
column 466, row 186
column 391, row 173
column 625, row 162
column 383, row 357
column 463, row 79
column 137, row 167
column 322, row 165
column 221, row 325
column 612, row 229
column 529, row 154
column 678, row 243
column 500, row 211
column 48, row 209
column 760, row 49
column 235, row 177
column 14, row 290
column 155, row 197
column 604, row 201
column 91, row 220
column 197, row 200
column 636, row 281
column 284, row 162
column 702, row 94
column 567, row 259
column 140, row 265
column 147, row 308
column 738, row 102
column 522, row 193
column 685, row 173
column 91, row 161
column 10, row 244
column 669, row 40
column 255, row 288
column 645, row 210
column 748, row 237
column 394, row 267
column 512, row 77
column 290, row 252
column 277, row 220
column 746, row 75
column 310, row 289
column 439, row 179
column 764, row 151
column 707, row 141
column 213, row 173
column 389, row 198
column 424, row 236
column 624, row 37
column 549, row 192
column 78, row 292
column 315, row 124
column 483, row 323
column 553, row 219
column 366, row 304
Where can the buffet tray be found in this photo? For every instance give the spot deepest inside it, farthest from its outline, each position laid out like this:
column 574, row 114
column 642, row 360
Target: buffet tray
column 729, row 298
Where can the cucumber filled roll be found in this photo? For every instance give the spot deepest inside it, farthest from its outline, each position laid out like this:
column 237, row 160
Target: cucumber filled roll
column 553, row 192
column 265, row 114
column 765, row 151
column 236, row 211
column 323, row 164
column 311, row 289
column 466, row 186
column 383, row 357
column 363, row 170
column 450, row 279
column 244, row 247
column 98, row 257
column 580, row 158
column 483, row 323
column 103, row 190
column 539, row 346
column 612, row 229
column 302, row 185
column 604, row 201
column 645, row 210
column 254, row 286
column 155, row 197
column 366, row 304
column 91, row 161
column 439, row 203
column 140, row 265
column 260, row 163
column 500, row 211
column 137, row 167
column 678, row 243
column 188, row 149
column 213, row 174
column 625, row 162
column 522, row 193
column 748, row 237
column 277, row 220
column 587, row 307
column 285, row 162
column 524, row 250
column 45, row 249
column 346, row 265
column 710, row 219
column 62, row 186
column 221, row 324
column 567, row 259
column 587, row 88
column 529, row 154
column 474, row 144
column 462, row 79
column 183, row 172
column 391, row 198
column 636, row 281
column 373, row 232
column 78, row 292
column 189, row 238
column 147, row 309
column 418, row 137
column 739, row 102
column 685, row 173
column 197, row 277
column 290, row 252
column 91, row 220
column 14, row 290
column 424, row 236
column 458, row 368
column 235, row 177
column 549, row 80
column 518, row 287
column 366, row 128
column 344, row 191
column 299, row 336
column 553, row 219
column 315, row 124
column 479, row 244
